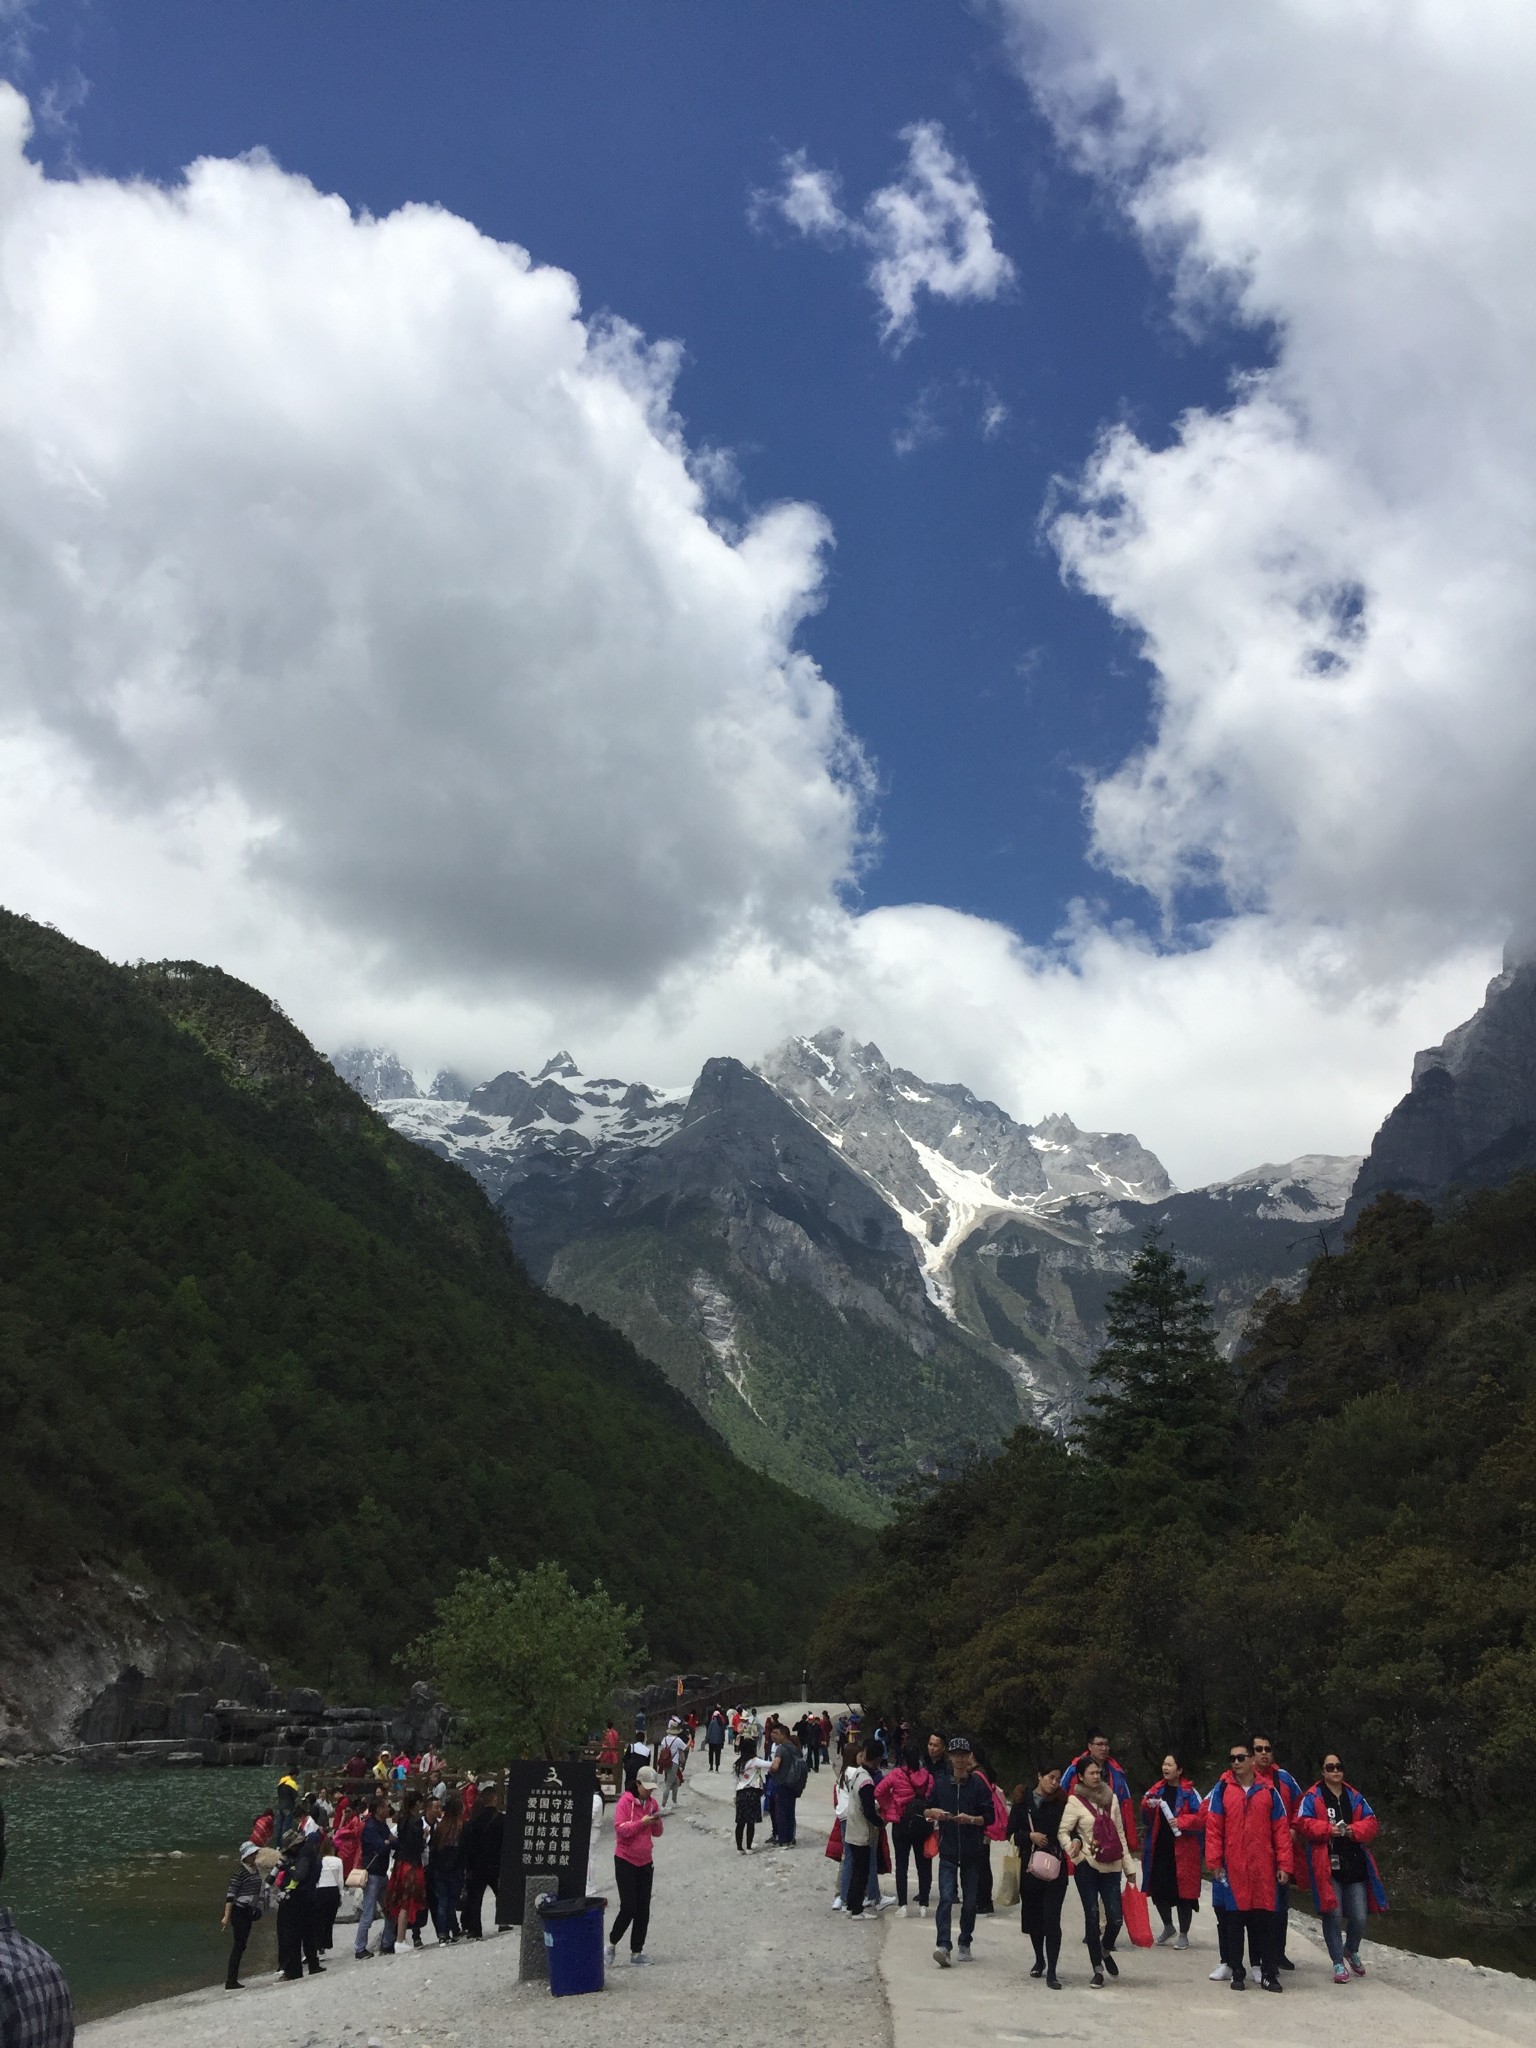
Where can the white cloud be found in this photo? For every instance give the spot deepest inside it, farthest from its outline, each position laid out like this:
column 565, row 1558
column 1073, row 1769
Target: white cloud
column 927, row 231
column 368, row 629
column 352, row 534
column 1334, row 577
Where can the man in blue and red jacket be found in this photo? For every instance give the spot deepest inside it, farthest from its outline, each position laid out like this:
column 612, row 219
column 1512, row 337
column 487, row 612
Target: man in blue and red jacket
column 1290, row 1792
column 1098, row 1750
column 1248, row 1843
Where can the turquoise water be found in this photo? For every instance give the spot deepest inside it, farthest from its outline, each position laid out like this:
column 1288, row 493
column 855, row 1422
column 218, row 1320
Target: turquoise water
column 121, row 1877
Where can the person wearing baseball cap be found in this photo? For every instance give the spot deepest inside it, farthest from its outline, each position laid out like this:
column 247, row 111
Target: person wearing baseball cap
column 637, row 1823
column 960, row 1807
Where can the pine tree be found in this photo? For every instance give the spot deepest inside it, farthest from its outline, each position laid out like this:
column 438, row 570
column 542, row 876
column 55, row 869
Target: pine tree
column 1161, row 1385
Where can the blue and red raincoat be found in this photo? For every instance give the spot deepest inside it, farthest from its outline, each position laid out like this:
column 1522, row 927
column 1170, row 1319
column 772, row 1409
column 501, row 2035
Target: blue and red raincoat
column 1189, row 1817
column 1314, row 1830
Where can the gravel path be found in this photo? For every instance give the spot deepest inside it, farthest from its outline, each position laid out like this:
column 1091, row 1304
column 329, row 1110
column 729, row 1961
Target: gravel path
column 745, row 1954
column 1164, row 1998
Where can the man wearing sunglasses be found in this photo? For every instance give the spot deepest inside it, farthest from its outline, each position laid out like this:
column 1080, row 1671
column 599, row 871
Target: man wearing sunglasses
column 1290, row 1793
column 1248, row 1847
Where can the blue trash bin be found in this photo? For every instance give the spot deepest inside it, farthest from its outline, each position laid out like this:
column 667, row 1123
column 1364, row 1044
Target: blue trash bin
column 573, row 1936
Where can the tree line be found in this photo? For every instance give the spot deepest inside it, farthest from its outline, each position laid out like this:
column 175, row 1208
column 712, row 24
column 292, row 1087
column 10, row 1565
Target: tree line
column 1333, row 1538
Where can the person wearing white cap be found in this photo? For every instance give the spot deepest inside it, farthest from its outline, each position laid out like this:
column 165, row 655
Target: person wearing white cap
column 671, row 1753
column 242, row 1907
column 637, row 1822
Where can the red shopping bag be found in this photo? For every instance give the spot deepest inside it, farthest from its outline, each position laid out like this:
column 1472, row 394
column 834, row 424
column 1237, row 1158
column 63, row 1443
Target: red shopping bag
column 835, row 1842
column 1138, row 1921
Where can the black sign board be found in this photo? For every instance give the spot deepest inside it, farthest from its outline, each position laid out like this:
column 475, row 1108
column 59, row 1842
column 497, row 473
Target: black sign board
column 548, row 1833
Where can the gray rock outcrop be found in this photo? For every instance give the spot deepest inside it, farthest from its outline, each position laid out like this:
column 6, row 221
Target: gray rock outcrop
column 1469, row 1117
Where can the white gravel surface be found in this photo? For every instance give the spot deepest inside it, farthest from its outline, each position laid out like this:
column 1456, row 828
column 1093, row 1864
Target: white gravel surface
column 745, row 1952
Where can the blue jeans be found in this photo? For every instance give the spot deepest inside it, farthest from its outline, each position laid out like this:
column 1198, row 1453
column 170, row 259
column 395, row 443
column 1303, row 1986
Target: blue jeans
column 960, row 1881
column 872, row 1889
column 1343, row 1930
column 1099, row 1888
column 373, row 1898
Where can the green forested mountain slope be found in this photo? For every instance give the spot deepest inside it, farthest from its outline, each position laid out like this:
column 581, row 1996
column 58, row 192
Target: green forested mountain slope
column 253, row 1343
column 1354, row 1564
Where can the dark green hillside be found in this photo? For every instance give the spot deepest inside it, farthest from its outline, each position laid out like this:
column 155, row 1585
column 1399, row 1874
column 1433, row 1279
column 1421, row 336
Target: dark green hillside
column 843, row 1408
column 257, row 1345
column 1353, row 1563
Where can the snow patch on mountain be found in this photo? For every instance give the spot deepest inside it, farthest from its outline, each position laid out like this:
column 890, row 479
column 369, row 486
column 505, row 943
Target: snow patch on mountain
column 1309, row 1189
column 945, row 1159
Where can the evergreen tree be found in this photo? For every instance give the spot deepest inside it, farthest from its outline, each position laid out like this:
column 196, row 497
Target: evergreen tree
column 1161, row 1386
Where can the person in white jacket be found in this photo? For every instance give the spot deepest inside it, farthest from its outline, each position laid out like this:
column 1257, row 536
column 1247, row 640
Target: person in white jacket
column 1092, row 1836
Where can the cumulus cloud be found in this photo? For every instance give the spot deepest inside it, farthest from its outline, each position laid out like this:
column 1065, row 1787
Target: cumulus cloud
column 1334, row 576
column 353, row 535
column 370, row 629
column 927, row 231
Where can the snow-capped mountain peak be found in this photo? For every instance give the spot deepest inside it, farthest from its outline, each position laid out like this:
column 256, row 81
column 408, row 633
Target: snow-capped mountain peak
column 943, row 1157
column 507, row 1126
column 1306, row 1190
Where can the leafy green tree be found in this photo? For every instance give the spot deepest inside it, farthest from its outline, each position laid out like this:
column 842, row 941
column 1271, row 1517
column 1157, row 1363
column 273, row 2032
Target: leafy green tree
column 528, row 1663
column 1161, row 1387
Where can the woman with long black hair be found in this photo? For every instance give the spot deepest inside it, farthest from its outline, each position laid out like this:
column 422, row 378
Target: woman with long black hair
column 1034, row 1827
column 1171, row 1852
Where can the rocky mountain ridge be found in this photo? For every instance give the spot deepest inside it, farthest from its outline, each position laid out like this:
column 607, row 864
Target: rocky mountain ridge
column 853, row 1272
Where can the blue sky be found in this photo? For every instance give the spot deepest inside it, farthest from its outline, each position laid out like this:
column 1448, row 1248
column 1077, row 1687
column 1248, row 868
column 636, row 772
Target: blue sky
column 623, row 143
column 390, row 622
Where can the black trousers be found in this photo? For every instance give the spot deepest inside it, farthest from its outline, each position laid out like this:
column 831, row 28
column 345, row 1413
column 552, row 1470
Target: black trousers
column 329, row 1903
column 298, row 1934
column 1263, row 1930
column 1040, row 1915
column 476, row 1885
column 858, row 1877
column 634, row 1882
column 910, row 1840
column 714, row 1755
column 749, row 1811
column 240, row 1919
column 1183, row 1908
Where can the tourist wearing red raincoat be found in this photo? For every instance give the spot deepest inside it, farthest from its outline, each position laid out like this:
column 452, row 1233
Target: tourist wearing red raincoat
column 1170, row 1854
column 1248, row 1838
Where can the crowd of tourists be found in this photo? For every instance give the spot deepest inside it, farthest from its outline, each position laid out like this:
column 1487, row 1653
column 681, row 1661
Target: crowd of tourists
column 415, row 1857
column 903, row 1806
column 915, row 1809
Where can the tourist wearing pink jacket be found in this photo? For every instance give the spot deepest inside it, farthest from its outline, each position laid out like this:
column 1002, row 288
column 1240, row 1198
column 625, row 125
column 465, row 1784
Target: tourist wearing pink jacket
column 637, row 1822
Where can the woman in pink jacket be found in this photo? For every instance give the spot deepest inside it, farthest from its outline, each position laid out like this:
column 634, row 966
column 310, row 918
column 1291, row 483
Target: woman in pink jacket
column 636, row 1824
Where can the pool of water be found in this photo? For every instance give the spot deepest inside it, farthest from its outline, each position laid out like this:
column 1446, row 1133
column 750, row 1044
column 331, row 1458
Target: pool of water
column 121, row 1876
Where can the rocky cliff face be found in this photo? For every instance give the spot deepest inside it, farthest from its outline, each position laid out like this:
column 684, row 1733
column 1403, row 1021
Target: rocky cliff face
column 1469, row 1117
column 98, row 1668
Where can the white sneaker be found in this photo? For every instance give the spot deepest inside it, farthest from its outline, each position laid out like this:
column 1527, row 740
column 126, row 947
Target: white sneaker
column 941, row 1957
column 963, row 1954
column 637, row 1960
column 1222, row 1974
column 911, row 1912
column 610, row 1954
column 837, row 1905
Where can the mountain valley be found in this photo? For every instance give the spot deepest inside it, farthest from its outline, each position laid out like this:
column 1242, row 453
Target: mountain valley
column 858, row 1276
